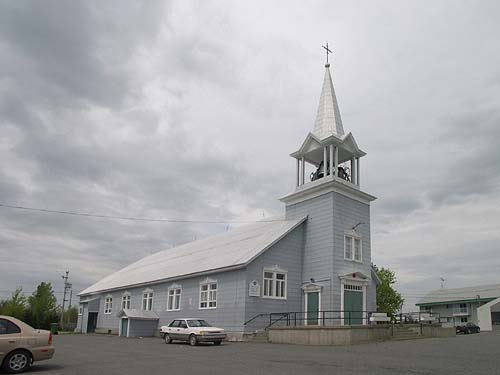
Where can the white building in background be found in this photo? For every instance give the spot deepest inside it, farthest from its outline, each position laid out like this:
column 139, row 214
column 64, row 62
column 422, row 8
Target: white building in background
column 477, row 304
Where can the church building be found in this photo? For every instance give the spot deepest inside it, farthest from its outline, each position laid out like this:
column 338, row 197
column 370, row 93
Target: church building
column 314, row 262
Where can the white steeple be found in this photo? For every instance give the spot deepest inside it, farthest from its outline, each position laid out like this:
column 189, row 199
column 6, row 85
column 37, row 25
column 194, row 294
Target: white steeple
column 328, row 119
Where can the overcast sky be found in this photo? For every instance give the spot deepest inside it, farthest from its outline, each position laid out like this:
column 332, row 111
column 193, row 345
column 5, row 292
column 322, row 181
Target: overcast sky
column 190, row 109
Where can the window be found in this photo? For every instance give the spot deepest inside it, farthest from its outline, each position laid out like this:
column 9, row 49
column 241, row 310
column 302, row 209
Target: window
column 126, row 301
column 463, row 308
column 80, row 310
column 463, row 319
column 174, row 299
column 274, row 284
column 353, row 249
column 108, row 305
column 7, row 327
column 208, row 296
column 356, row 288
column 147, row 300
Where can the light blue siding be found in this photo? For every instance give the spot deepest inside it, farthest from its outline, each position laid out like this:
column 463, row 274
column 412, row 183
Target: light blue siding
column 329, row 216
column 287, row 255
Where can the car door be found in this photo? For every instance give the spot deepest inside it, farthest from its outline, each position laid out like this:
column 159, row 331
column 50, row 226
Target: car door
column 183, row 331
column 173, row 330
column 10, row 335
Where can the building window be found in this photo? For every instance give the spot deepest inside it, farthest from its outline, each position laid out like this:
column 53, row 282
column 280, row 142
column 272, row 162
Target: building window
column 463, row 308
column 353, row 248
column 147, row 300
column 80, row 310
column 463, row 319
column 274, row 284
column 174, row 299
column 356, row 288
column 108, row 305
column 126, row 301
column 428, row 309
column 208, row 295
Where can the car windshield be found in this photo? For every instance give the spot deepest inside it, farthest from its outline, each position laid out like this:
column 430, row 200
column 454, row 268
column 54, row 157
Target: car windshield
column 198, row 323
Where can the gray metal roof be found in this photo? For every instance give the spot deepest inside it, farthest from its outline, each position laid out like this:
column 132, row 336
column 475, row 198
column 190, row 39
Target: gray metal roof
column 228, row 250
column 461, row 294
column 138, row 314
column 328, row 120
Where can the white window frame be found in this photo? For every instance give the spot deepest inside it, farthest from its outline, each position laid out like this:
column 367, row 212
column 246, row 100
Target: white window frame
column 270, row 285
column 108, row 304
column 211, row 292
column 352, row 238
column 147, row 297
column 176, row 293
column 126, row 300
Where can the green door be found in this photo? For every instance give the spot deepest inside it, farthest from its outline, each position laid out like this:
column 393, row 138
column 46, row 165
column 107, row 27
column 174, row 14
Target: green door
column 312, row 308
column 124, row 332
column 353, row 307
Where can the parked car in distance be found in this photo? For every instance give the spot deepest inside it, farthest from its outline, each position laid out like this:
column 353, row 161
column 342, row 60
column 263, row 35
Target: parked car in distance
column 468, row 328
column 21, row 345
column 193, row 331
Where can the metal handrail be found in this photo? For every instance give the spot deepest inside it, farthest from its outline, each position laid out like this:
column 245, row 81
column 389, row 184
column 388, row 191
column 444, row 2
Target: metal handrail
column 255, row 317
column 292, row 319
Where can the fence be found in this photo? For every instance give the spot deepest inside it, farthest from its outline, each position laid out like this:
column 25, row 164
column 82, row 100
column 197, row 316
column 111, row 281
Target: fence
column 333, row 317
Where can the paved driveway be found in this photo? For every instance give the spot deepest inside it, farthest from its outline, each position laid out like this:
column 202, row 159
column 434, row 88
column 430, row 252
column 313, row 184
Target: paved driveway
column 97, row 354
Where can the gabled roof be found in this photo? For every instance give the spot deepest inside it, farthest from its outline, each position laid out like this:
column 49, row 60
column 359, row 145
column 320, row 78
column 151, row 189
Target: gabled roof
column 442, row 296
column 328, row 119
column 229, row 250
column 312, row 147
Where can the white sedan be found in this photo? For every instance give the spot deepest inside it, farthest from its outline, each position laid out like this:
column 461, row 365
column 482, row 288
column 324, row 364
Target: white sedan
column 193, row 331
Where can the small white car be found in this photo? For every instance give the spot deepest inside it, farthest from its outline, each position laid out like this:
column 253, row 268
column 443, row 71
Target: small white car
column 193, row 331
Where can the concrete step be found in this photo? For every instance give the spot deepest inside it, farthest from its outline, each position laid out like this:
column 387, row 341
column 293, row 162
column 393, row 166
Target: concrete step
column 261, row 336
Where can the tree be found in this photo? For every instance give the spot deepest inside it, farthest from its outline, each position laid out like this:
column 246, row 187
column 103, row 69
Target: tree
column 15, row 306
column 71, row 315
column 42, row 306
column 388, row 299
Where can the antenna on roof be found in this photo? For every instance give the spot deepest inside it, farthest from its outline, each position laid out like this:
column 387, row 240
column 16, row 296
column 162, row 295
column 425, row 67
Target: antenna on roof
column 442, row 282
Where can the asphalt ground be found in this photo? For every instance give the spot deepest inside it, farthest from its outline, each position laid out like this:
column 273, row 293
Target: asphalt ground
column 102, row 354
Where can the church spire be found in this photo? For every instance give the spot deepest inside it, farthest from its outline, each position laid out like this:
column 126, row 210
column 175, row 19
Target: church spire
column 328, row 119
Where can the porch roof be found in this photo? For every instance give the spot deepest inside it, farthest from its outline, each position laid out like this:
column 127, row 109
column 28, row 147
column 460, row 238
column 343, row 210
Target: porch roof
column 138, row 314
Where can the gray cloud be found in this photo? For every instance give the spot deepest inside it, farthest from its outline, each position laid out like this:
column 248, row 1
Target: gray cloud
column 189, row 110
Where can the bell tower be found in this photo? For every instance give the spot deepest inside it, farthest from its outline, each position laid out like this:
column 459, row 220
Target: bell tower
column 337, row 253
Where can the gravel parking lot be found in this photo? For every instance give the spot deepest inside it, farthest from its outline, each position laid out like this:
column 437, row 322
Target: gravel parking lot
column 100, row 354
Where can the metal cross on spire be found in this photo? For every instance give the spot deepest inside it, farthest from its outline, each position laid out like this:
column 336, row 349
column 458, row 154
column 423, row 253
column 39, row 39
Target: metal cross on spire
column 327, row 52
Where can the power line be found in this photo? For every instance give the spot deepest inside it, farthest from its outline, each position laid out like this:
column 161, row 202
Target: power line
column 131, row 218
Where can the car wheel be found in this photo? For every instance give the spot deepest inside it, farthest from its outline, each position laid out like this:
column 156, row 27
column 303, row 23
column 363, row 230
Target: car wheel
column 16, row 362
column 193, row 341
column 217, row 342
column 467, row 331
column 167, row 338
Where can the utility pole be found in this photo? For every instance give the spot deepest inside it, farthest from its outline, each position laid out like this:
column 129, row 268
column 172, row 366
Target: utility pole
column 66, row 287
